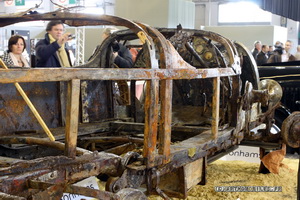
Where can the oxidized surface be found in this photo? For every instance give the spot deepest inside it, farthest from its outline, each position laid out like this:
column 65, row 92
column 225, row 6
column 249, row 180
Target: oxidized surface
column 201, row 97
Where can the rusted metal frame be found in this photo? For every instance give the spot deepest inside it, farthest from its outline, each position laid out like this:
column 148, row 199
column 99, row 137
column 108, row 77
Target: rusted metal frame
column 181, row 154
column 5, row 196
column 215, row 107
column 63, row 92
column 59, row 162
column 201, row 146
column 72, row 189
column 83, row 129
column 197, row 147
column 54, row 192
column 108, row 139
column 263, row 117
column 91, row 192
column 121, row 149
column 133, row 100
column 166, row 89
column 73, row 19
column 234, row 104
column 76, row 19
column 67, row 169
column 72, row 114
column 67, row 74
column 230, row 48
column 17, row 183
column 255, row 74
column 151, row 122
column 138, row 127
column 39, row 141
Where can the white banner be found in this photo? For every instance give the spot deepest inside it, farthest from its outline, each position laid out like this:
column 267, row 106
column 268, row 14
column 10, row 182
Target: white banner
column 244, row 153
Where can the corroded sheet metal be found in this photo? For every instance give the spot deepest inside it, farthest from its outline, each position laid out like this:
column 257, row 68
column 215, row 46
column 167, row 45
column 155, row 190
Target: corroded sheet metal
column 96, row 101
column 15, row 115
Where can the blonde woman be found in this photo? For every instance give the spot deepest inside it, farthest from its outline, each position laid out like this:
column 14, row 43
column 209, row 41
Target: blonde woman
column 13, row 56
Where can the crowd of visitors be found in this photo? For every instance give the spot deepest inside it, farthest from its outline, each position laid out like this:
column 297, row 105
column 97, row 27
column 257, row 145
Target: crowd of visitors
column 280, row 52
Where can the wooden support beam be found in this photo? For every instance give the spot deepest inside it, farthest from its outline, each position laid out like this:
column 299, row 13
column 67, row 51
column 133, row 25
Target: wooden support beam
column 72, row 117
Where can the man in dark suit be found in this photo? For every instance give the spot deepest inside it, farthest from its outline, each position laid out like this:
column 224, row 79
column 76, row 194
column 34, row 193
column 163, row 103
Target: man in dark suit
column 257, row 48
column 262, row 56
column 52, row 51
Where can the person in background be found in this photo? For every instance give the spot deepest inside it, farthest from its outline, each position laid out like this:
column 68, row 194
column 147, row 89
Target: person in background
column 257, row 49
column 287, row 56
column 262, row 56
column 282, row 54
column 297, row 54
column 51, row 51
column 271, row 51
column 121, row 54
column 278, row 43
column 13, row 56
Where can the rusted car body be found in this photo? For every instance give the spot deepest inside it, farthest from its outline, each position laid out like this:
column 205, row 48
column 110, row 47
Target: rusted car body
column 202, row 98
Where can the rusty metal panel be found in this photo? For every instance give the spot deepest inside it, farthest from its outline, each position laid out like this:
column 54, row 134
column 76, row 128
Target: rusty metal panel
column 96, row 101
column 15, row 115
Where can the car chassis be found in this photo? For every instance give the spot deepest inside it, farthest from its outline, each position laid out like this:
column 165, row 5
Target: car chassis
column 88, row 108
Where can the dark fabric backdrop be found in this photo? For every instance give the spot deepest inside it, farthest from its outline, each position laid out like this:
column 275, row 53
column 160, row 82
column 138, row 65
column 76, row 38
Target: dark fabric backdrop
column 285, row 8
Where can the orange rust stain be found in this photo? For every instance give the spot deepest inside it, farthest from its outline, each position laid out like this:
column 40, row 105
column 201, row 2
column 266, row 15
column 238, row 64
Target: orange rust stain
column 39, row 91
column 16, row 106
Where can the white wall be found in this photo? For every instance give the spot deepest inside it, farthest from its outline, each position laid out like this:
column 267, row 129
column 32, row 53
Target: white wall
column 158, row 13
column 144, row 11
column 210, row 14
column 199, row 15
column 181, row 12
column 248, row 34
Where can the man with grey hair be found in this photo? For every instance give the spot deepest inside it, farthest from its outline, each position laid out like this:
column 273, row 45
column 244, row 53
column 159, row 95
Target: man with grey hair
column 257, row 49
